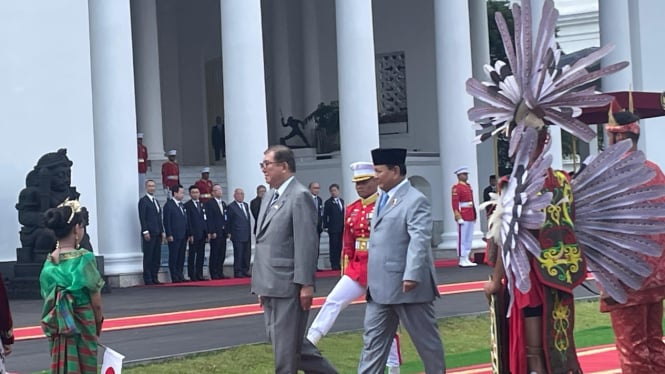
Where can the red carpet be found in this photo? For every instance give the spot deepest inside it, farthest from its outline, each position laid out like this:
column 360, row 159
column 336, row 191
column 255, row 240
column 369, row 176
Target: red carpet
column 240, row 281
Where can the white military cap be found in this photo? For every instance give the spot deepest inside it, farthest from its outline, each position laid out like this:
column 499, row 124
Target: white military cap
column 205, row 170
column 362, row 171
column 462, row 170
column 139, row 135
column 171, row 152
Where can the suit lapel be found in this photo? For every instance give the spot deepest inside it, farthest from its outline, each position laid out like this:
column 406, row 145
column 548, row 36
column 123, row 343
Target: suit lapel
column 262, row 211
column 277, row 205
column 394, row 201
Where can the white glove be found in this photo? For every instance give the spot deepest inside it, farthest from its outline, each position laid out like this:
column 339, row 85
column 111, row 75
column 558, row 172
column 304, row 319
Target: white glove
column 460, row 221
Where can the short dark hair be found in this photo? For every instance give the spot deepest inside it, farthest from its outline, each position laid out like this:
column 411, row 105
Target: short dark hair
column 335, row 185
column 311, row 184
column 175, row 188
column 193, row 187
column 148, row 180
column 283, row 153
column 259, row 187
column 402, row 168
column 493, row 176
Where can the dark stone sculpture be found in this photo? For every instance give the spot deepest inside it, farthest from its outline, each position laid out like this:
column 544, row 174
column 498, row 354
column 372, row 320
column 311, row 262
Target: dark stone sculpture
column 47, row 185
column 295, row 125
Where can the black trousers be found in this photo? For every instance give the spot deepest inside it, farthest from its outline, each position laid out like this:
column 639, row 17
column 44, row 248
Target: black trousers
column 241, row 256
column 177, row 259
column 335, row 250
column 195, row 259
column 217, row 256
column 152, row 256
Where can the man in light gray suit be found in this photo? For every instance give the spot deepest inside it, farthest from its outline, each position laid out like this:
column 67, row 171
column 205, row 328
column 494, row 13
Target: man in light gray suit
column 401, row 283
column 285, row 264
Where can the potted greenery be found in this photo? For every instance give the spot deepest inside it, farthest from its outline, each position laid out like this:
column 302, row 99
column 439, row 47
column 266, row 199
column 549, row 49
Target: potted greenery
column 326, row 117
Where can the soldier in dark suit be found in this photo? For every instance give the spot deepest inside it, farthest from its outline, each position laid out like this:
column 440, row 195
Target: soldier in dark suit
column 239, row 229
column 152, row 230
column 196, row 219
column 216, row 219
column 333, row 223
column 177, row 232
column 255, row 204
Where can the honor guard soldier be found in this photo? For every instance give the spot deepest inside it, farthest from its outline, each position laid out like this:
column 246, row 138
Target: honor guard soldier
column 353, row 284
column 143, row 159
column 465, row 215
column 205, row 185
column 170, row 171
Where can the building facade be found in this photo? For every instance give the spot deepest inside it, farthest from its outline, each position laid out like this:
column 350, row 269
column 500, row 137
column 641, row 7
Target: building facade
column 87, row 75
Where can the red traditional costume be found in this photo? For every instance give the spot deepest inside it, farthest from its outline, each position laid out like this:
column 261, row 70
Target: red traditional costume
column 637, row 323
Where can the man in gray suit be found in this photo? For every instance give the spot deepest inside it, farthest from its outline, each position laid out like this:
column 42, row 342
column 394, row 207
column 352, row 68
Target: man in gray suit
column 285, row 264
column 401, row 283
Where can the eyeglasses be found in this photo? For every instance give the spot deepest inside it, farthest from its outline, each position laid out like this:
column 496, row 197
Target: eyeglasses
column 265, row 164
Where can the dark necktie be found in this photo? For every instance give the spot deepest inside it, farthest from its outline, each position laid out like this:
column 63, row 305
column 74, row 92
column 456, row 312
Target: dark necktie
column 182, row 209
column 382, row 201
column 272, row 201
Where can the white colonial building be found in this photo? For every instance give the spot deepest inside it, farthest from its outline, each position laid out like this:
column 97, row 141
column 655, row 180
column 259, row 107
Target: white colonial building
column 86, row 75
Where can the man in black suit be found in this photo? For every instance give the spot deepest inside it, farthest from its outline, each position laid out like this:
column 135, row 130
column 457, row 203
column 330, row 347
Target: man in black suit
column 486, row 194
column 177, row 232
column 314, row 189
column 216, row 211
column 255, row 204
column 333, row 223
column 196, row 219
column 239, row 228
column 152, row 229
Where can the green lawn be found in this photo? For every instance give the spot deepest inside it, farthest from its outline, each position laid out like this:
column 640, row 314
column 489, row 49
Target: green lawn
column 466, row 342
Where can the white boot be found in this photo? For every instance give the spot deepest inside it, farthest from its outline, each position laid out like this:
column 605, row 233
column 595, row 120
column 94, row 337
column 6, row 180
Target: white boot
column 393, row 369
column 314, row 336
column 465, row 263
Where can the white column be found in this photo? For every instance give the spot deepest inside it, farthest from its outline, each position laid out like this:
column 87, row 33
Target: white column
column 453, row 68
column 311, row 71
column 480, row 55
column 648, row 54
column 358, row 113
column 244, row 93
column 114, row 119
column 146, row 76
column 615, row 28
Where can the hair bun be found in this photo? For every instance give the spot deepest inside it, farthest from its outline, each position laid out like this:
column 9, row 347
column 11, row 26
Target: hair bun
column 55, row 218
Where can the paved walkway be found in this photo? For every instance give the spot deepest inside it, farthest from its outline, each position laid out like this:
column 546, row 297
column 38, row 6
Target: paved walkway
column 147, row 323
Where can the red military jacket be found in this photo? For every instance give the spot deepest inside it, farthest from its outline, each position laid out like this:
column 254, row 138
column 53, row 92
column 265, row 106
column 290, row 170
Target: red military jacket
column 143, row 159
column 170, row 174
column 205, row 187
column 357, row 223
column 462, row 201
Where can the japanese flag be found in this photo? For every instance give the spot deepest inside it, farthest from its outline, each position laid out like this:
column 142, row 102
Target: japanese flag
column 112, row 363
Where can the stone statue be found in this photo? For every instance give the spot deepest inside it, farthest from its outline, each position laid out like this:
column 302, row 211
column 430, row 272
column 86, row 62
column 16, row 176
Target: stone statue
column 46, row 186
column 295, row 125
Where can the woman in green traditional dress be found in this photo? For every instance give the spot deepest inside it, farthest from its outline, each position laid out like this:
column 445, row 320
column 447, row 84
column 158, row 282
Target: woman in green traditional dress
column 70, row 286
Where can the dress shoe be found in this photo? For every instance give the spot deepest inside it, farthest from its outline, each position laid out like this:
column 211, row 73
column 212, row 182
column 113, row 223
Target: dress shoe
column 148, row 283
column 155, row 281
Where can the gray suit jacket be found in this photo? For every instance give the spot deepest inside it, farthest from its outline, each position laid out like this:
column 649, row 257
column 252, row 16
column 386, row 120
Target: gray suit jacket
column 400, row 249
column 286, row 243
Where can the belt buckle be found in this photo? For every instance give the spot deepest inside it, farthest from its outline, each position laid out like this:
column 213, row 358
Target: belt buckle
column 362, row 244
